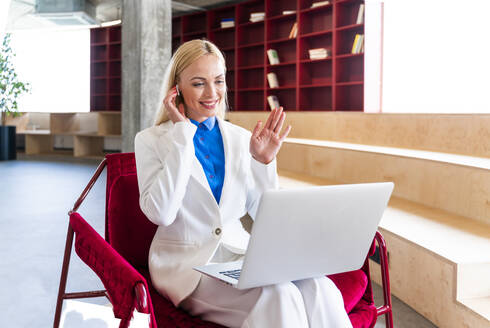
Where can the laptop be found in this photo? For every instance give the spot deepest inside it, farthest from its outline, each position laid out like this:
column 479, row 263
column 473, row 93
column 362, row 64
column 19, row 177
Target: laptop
column 306, row 233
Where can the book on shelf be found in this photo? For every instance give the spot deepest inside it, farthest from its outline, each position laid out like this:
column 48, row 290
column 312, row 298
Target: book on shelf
column 319, row 53
column 257, row 17
column 317, row 50
column 273, row 56
column 355, row 43
column 272, row 79
column 227, row 22
column 318, row 57
column 294, row 31
column 319, row 3
column 288, row 12
column 273, row 102
column 360, row 14
column 358, row 44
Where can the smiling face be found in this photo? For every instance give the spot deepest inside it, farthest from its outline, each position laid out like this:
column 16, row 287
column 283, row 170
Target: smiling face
column 202, row 85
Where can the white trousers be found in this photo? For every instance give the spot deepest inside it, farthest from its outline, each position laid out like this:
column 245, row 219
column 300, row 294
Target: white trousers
column 305, row 303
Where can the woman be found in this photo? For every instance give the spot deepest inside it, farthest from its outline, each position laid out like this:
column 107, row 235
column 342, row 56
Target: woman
column 198, row 175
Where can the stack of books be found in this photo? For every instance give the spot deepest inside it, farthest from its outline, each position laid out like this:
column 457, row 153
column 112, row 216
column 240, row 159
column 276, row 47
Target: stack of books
column 320, row 3
column 358, row 44
column 272, row 79
column 319, row 53
column 294, row 31
column 227, row 22
column 257, row 17
column 273, row 102
column 273, row 56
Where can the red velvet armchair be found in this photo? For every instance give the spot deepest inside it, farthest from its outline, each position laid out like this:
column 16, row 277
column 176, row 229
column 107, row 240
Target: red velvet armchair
column 121, row 259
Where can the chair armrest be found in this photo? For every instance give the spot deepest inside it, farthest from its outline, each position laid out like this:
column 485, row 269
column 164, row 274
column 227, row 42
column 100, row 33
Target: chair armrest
column 126, row 287
column 141, row 298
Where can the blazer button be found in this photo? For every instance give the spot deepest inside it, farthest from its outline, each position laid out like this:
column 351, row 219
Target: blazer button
column 217, row 231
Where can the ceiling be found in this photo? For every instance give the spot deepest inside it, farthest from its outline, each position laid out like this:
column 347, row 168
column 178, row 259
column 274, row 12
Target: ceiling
column 20, row 12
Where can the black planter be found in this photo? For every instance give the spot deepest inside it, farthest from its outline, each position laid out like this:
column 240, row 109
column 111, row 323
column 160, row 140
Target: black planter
column 7, row 143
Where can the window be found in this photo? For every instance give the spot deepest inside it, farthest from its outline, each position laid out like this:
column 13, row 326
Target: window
column 435, row 56
column 57, row 65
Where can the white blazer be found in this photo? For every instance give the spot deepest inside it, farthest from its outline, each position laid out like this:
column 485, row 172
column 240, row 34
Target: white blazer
column 175, row 195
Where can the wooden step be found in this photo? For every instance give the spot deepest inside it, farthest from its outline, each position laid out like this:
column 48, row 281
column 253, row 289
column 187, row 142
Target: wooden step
column 473, row 276
column 479, row 305
column 438, row 261
column 453, row 183
column 427, row 282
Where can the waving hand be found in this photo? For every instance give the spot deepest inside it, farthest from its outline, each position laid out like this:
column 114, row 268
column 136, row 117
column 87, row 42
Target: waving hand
column 265, row 143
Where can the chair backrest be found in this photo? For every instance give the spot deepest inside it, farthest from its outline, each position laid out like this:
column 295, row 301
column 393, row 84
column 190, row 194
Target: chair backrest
column 127, row 228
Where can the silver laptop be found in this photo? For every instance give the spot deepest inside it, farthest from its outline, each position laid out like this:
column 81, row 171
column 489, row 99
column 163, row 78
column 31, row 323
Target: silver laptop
column 307, row 232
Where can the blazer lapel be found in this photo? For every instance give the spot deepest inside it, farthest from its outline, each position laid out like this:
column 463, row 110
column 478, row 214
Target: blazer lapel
column 197, row 172
column 227, row 145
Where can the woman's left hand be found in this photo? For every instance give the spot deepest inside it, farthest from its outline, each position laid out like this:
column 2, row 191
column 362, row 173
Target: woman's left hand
column 265, row 143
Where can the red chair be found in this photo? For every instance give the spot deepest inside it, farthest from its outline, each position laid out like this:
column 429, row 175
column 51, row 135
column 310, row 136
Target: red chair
column 121, row 260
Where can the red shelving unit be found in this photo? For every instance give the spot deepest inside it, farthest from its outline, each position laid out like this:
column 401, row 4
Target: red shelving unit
column 332, row 84
column 194, row 26
column 194, row 23
column 176, row 33
column 105, row 69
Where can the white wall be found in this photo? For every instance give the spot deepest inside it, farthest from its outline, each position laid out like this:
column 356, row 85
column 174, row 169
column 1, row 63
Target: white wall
column 4, row 10
column 57, row 65
column 436, row 56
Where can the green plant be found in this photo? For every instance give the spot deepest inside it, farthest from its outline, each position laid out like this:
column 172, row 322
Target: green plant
column 10, row 86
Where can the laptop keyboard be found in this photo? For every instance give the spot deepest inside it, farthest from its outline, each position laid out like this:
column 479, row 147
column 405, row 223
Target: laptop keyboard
column 234, row 274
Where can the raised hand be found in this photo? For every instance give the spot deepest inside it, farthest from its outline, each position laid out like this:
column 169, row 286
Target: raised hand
column 174, row 113
column 266, row 142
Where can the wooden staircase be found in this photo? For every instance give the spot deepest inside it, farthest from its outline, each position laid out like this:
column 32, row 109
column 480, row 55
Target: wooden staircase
column 437, row 225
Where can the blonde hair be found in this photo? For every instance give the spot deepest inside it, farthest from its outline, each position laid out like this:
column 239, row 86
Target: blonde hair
column 183, row 57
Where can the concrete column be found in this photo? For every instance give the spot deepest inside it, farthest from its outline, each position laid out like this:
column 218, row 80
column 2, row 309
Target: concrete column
column 146, row 52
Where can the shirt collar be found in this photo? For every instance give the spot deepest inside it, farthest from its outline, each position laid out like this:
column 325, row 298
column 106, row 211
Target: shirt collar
column 208, row 123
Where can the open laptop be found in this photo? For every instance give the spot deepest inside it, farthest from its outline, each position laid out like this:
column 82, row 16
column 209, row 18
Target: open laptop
column 307, row 232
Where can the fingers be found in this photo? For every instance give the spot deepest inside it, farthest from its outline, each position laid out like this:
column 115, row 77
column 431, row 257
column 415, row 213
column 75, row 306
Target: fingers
column 256, row 130
column 182, row 112
column 182, row 109
column 169, row 100
column 277, row 117
column 278, row 126
column 174, row 113
column 269, row 119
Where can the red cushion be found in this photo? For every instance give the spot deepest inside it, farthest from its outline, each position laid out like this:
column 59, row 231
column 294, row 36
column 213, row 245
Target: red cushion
column 352, row 285
column 167, row 315
column 363, row 315
column 129, row 231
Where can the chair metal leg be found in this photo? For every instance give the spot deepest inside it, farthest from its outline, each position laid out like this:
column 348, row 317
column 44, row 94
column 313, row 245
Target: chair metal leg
column 64, row 275
column 386, row 309
column 66, row 259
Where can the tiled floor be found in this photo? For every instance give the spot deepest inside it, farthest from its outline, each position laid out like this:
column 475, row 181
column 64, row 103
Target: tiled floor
column 35, row 196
